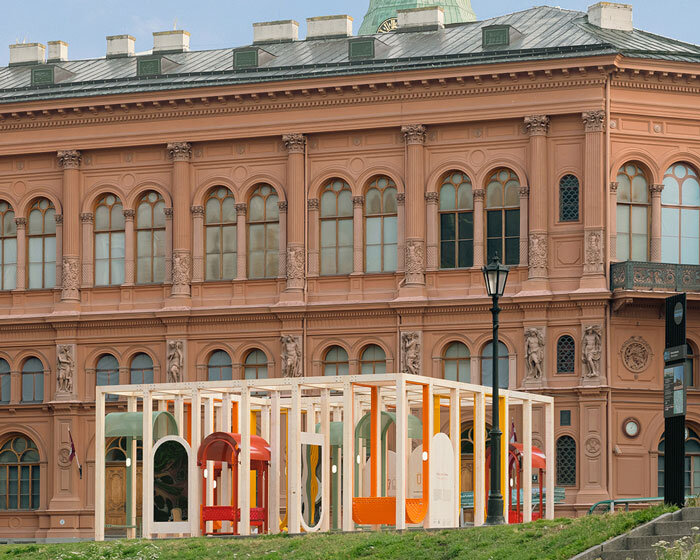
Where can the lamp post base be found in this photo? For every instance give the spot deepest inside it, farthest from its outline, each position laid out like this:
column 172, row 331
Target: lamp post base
column 494, row 515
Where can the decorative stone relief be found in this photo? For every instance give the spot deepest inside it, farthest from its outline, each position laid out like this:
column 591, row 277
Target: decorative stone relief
column 656, row 190
column 129, row 215
column 87, row 217
column 636, row 354
column 241, row 209
column 591, row 350
column 70, row 278
column 415, row 262
column 295, row 267
column 197, row 211
column 295, row 143
column 538, row 253
column 180, row 151
column 593, row 263
column 400, row 199
column 537, row 125
column 411, row 351
column 594, row 121
column 534, row 352
column 65, row 369
column 291, row 356
column 176, row 361
column 182, row 269
column 63, row 458
column 313, row 204
column 414, row 133
column 592, row 447
column 613, row 187
column 432, row 197
column 69, row 159
column 358, row 201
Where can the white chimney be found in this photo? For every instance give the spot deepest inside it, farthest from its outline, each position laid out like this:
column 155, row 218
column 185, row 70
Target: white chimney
column 609, row 15
column 58, row 51
column 119, row 46
column 171, row 41
column 276, row 31
column 326, row 27
column 421, row 19
column 27, row 53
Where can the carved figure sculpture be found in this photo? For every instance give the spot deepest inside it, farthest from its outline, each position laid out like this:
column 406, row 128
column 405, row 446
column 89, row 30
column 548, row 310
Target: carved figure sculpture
column 534, row 352
column 410, row 347
column 591, row 350
column 65, row 368
column 176, row 361
column 291, row 356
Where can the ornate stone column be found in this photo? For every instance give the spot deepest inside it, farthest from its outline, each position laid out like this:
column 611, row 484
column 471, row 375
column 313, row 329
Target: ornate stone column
column 479, row 248
column 613, row 221
column 401, row 232
column 21, row 224
column 414, row 135
column 168, row 245
column 431, row 206
column 295, row 252
column 87, row 220
column 70, row 161
column 593, row 193
column 524, row 194
column 198, row 243
column 655, row 246
column 241, row 237
column 181, row 154
column 358, row 203
column 282, row 240
column 313, row 249
column 537, row 127
column 59, row 250
column 129, row 243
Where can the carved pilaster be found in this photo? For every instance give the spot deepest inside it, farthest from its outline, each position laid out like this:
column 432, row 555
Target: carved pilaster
column 295, row 143
column 538, row 255
column 313, row 204
column 537, row 125
column 415, row 262
column 594, row 121
column 593, row 262
column 180, row 151
column 182, row 272
column 70, row 159
column 295, row 267
column 87, row 218
column 71, row 279
column 197, row 211
column 431, row 198
column 414, row 133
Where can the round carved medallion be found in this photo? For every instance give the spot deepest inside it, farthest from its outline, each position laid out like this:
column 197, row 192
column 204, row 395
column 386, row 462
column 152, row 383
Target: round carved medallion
column 593, row 446
column 636, row 354
column 14, row 522
column 64, row 457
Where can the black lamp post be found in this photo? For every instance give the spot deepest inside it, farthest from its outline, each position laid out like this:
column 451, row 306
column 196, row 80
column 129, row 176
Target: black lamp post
column 495, row 276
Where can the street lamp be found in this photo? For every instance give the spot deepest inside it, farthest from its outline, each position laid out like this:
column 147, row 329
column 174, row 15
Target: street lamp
column 495, row 276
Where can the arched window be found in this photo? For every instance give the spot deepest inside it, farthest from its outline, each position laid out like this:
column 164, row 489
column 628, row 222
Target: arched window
column 5, row 382
column 220, row 235
column 692, row 463
column 503, row 217
column 141, row 369
column 336, row 228
column 219, row 367
column 8, row 247
column 691, row 360
column 263, row 233
column 336, row 362
column 456, row 221
column 487, row 365
column 256, row 365
column 41, row 245
column 566, row 461
column 456, row 364
column 150, row 239
column 107, row 373
column 566, row 354
column 632, row 214
column 568, row 199
column 680, row 216
column 33, row 381
column 373, row 360
column 380, row 226
column 116, row 450
column 109, row 241
column 19, row 474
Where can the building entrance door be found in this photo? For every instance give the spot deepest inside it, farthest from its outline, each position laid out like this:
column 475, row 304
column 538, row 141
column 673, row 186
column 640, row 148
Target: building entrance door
column 116, row 486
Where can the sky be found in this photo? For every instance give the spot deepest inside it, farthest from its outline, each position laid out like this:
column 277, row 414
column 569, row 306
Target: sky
column 84, row 24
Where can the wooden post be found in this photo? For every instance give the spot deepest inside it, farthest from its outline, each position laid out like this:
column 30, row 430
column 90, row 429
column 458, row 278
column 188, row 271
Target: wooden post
column 326, row 459
column 401, row 452
column 294, row 463
column 196, row 428
column 226, row 469
column 479, row 458
column 429, row 418
column 209, row 429
column 180, row 415
column 275, row 464
column 527, row 461
column 147, row 494
column 505, row 446
column 456, row 439
column 348, row 455
column 549, row 444
column 99, row 465
column 131, row 476
column 244, row 490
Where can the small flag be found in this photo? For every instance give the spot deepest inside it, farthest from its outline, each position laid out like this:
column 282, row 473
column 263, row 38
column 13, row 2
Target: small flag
column 513, row 434
column 74, row 455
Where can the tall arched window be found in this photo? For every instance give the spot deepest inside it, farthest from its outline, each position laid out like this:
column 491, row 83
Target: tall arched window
column 5, row 382
column 109, row 241
column 692, row 463
column 263, row 233
column 255, row 365
column 220, row 238
column 680, row 216
column 456, row 221
column 336, row 228
column 219, row 367
column 568, row 199
column 150, row 239
column 41, row 245
column 107, row 373
column 692, row 356
column 33, row 381
column 632, row 214
column 566, row 461
column 336, row 361
column 503, row 217
column 566, row 354
column 487, row 365
column 380, row 226
column 141, row 369
column 19, row 474
column 373, row 360
column 8, row 247
column 456, row 364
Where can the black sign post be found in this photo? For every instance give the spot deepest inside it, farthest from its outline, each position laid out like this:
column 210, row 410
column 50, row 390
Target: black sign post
column 676, row 373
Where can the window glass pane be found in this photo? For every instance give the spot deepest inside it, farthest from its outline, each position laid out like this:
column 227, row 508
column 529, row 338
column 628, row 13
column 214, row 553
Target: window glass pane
column 465, row 225
column 256, row 209
column 345, row 233
column 390, row 201
column 373, row 233
column 447, row 197
column 102, row 246
column 159, row 243
column 639, row 249
column 373, row 202
column 117, row 217
column 144, row 244
column 9, row 251
column 256, row 237
column 328, row 206
column 36, row 222
column 691, row 192
column 390, row 257
column 512, row 250
column 159, row 214
column 640, row 190
column 690, row 233
column 213, row 240
column 466, row 254
column 101, row 272
column 213, row 211
column 228, row 209
column 230, row 243
column 447, row 254
column 328, row 230
column 494, row 195
column 494, row 223
column 465, row 199
column 257, row 264
column 448, row 231
column 158, row 269
column 229, row 266
column 390, row 227
column 143, row 215
column 639, row 219
column 373, row 258
column 623, row 188
column 5, row 387
column 345, row 203
column 118, row 245
column 345, row 260
column 102, row 218
column 670, row 194
column 213, row 267
column 36, row 249
column 272, row 238
column 272, row 208
column 512, row 223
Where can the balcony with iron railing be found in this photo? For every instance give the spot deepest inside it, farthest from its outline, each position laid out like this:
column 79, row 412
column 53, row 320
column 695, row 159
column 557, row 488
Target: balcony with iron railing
column 653, row 276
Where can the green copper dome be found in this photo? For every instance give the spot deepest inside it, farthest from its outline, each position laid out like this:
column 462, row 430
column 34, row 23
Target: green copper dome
column 384, row 11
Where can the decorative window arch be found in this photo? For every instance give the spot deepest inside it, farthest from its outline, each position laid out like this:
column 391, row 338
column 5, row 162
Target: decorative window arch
column 109, row 241
column 680, row 215
column 20, row 483
column 381, row 240
column 503, row 216
column 336, row 228
column 33, row 381
column 566, row 354
column 456, row 221
column 569, row 193
column 263, row 233
column 566, row 461
column 220, row 244
column 373, row 360
column 41, row 245
column 456, row 363
column 219, row 367
column 255, row 366
column 150, row 239
column 336, row 361
column 487, row 365
column 116, row 450
column 141, row 369
column 692, row 462
column 8, row 247
column 5, row 382
column 632, row 213
column 107, row 373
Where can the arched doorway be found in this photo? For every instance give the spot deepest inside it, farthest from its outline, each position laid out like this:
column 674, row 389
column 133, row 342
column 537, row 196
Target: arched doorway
column 116, row 484
column 692, row 463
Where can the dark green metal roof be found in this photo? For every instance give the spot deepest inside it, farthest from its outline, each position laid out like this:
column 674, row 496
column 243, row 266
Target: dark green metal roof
column 543, row 33
column 456, row 11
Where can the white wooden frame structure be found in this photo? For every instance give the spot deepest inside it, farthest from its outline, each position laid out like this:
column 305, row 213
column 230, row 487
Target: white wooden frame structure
column 321, row 398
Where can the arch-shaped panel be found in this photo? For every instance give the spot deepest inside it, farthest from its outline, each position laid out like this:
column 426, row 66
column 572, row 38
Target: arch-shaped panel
column 97, row 192
column 516, row 166
column 318, row 183
column 203, row 189
column 247, row 189
column 435, row 178
column 368, row 175
column 645, row 159
column 24, row 205
column 137, row 192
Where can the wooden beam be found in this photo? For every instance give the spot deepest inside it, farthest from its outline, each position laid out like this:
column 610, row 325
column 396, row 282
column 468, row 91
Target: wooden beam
column 527, row 461
column 402, row 450
column 244, row 489
column 147, row 481
column 348, row 455
column 549, row 453
column 131, row 406
column 275, row 463
column 456, row 439
column 294, row 463
column 479, row 459
column 196, row 428
column 326, row 460
column 99, row 465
